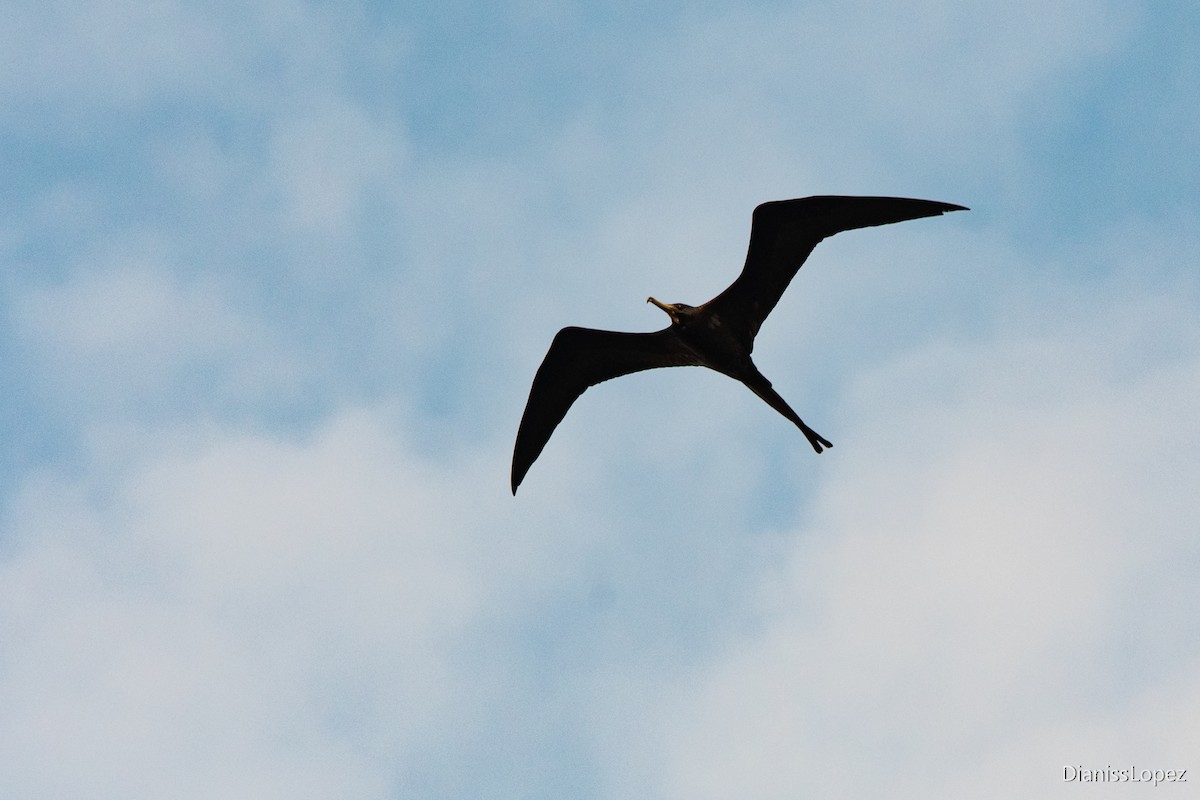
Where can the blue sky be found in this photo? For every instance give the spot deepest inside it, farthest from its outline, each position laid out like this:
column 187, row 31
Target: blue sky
column 275, row 283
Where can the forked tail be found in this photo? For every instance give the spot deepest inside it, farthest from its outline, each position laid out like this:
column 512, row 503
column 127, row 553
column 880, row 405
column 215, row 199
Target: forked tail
column 758, row 384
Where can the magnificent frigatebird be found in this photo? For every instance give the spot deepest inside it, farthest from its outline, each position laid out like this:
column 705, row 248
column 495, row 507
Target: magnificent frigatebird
column 719, row 334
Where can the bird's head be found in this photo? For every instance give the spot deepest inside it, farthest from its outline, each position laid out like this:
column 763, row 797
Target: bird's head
column 678, row 312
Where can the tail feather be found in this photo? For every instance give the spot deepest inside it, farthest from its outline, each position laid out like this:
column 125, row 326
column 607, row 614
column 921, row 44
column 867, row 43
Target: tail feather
column 758, row 384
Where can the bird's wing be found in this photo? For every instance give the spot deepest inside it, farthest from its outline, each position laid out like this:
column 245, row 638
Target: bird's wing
column 579, row 358
column 784, row 232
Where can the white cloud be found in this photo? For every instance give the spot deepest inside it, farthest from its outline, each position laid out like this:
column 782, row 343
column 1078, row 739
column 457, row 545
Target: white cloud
column 130, row 328
column 106, row 52
column 854, row 98
column 965, row 606
column 69, row 62
column 258, row 616
column 326, row 159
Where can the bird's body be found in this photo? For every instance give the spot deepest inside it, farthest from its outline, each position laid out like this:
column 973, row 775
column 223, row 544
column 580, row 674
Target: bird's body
column 718, row 334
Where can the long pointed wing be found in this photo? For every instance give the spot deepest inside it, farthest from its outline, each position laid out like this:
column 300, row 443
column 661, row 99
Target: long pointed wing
column 784, row 232
column 579, row 358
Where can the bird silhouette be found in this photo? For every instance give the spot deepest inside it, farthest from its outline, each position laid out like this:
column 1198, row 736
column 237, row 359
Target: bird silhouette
column 719, row 334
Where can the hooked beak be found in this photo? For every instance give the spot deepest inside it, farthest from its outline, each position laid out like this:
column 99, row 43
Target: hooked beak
column 663, row 306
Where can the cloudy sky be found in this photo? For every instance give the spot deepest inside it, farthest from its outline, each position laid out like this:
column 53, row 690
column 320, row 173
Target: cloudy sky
column 276, row 277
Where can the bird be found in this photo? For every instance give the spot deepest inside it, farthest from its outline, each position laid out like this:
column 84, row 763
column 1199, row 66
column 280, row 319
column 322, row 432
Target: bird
column 718, row 334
